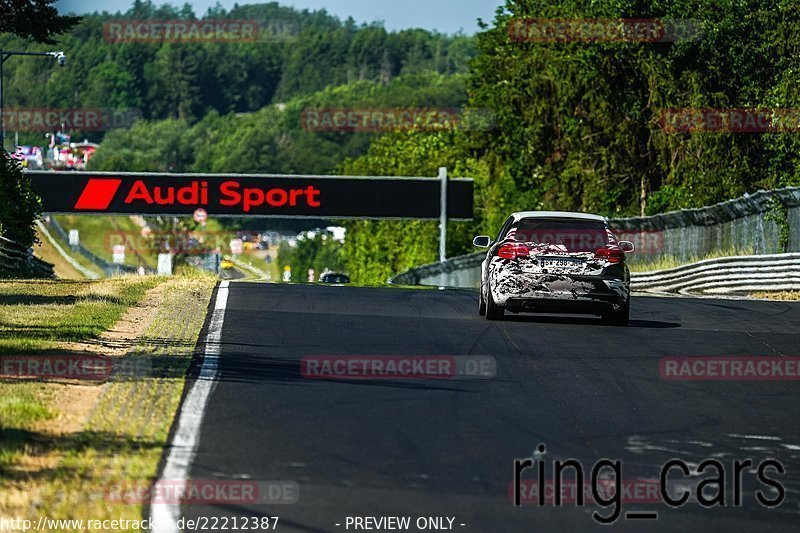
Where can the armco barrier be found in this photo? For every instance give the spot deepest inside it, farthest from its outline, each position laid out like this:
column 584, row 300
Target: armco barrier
column 462, row 271
column 726, row 275
column 18, row 261
column 749, row 204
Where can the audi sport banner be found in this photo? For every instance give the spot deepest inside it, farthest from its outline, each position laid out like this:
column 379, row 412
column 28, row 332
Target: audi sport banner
column 249, row 195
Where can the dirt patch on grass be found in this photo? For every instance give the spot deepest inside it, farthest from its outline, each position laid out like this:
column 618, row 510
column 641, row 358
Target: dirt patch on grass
column 118, row 340
column 70, row 404
column 115, row 343
column 86, row 438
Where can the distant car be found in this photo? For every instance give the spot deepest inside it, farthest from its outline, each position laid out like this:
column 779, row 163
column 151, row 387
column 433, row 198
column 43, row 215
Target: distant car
column 336, row 278
column 554, row 261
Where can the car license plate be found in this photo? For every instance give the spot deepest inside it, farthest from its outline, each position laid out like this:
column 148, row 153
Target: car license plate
column 560, row 262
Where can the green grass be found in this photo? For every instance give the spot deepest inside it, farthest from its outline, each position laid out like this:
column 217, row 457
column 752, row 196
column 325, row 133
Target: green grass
column 125, row 436
column 258, row 263
column 36, row 315
column 45, row 470
column 20, row 409
column 100, row 233
column 79, row 258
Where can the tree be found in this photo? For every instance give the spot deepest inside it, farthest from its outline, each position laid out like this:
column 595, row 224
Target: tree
column 19, row 207
column 316, row 250
column 579, row 121
column 34, row 19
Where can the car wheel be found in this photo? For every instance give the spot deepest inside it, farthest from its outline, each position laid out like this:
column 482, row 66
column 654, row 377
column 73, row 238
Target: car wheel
column 481, row 303
column 621, row 317
column 493, row 311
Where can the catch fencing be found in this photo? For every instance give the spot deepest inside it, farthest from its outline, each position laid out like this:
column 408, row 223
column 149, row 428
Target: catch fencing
column 750, row 225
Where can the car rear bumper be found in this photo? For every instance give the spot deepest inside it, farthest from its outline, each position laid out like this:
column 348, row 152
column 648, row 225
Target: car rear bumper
column 560, row 293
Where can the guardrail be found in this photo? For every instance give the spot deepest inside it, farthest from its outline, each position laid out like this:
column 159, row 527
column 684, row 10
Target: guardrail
column 18, row 261
column 726, row 275
column 461, row 271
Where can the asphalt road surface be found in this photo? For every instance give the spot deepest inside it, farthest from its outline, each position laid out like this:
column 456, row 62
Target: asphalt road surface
column 446, row 447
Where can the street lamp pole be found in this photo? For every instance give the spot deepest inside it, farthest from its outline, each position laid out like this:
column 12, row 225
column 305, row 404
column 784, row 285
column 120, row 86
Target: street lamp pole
column 4, row 55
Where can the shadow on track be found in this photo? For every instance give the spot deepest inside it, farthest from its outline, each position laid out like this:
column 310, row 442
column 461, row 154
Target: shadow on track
column 247, row 368
column 586, row 321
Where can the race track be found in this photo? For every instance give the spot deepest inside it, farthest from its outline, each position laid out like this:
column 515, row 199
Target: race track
column 445, row 447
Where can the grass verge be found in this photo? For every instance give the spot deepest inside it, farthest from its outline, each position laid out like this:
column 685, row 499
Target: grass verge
column 46, row 252
column 782, row 295
column 77, row 256
column 66, row 445
column 100, row 233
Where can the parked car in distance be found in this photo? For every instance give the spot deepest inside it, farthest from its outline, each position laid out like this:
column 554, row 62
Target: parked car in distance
column 555, row 262
column 335, row 278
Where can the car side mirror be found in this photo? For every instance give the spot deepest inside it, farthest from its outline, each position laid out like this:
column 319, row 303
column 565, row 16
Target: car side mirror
column 482, row 241
column 626, row 246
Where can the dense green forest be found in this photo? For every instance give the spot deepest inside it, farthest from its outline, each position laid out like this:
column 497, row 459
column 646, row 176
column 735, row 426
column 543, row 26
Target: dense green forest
column 296, row 53
column 577, row 125
column 271, row 139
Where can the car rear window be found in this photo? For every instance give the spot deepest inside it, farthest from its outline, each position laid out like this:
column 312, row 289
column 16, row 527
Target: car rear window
column 575, row 235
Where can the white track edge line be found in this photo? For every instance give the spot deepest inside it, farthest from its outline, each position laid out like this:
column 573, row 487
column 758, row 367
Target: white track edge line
column 183, row 447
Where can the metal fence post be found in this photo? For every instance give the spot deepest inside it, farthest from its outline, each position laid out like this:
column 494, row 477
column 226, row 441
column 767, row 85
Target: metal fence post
column 443, row 214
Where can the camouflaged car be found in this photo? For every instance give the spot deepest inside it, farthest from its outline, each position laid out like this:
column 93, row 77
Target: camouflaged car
column 555, row 262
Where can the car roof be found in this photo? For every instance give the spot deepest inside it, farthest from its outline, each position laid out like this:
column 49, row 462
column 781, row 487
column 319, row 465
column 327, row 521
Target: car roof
column 556, row 214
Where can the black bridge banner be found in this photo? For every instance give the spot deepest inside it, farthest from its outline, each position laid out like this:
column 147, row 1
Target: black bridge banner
column 248, row 195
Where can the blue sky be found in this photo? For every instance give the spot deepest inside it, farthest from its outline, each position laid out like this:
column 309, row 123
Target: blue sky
column 448, row 16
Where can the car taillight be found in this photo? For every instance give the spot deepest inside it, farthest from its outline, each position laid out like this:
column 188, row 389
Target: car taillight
column 612, row 255
column 512, row 251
